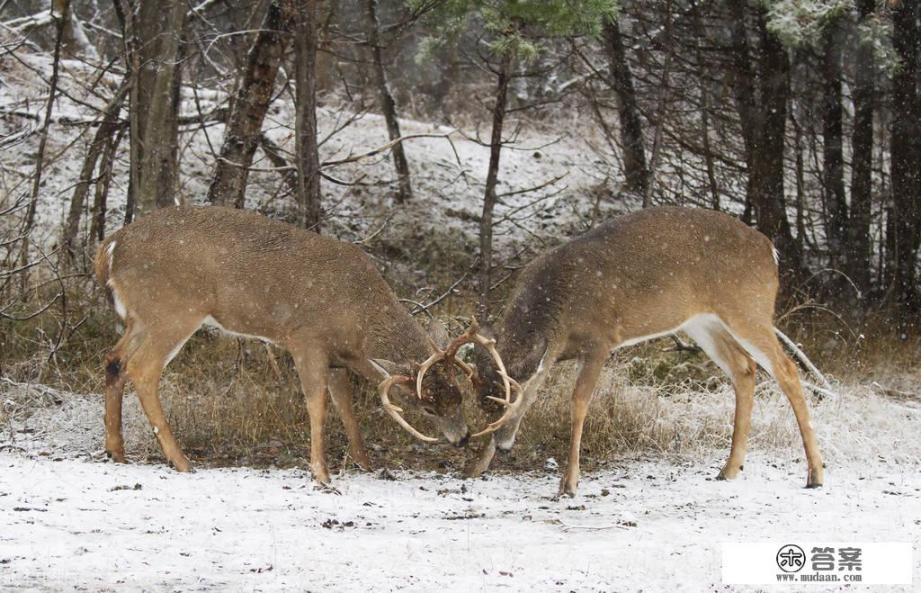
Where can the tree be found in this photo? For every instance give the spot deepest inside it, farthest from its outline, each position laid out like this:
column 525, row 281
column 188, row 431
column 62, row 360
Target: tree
column 631, row 130
column 388, row 105
column 513, row 32
column 833, row 141
column 308, row 159
column 153, row 32
column 858, row 232
column 251, row 101
column 761, row 90
column 905, row 151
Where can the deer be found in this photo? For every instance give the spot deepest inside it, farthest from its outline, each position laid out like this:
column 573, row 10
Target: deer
column 182, row 267
column 634, row 278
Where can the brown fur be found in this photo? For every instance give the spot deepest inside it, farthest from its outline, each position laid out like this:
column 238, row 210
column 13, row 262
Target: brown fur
column 320, row 298
column 638, row 276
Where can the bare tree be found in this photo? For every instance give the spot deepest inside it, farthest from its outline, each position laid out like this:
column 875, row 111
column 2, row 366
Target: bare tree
column 503, row 77
column 155, row 34
column 858, row 250
column 631, row 129
column 388, row 105
column 833, row 140
column 905, row 152
column 251, row 101
column 761, row 94
column 308, row 159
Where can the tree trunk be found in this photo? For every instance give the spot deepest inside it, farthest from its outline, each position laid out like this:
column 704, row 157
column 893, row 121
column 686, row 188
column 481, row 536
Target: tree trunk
column 492, row 180
column 833, row 144
column 60, row 18
column 308, row 159
column 159, row 30
column 768, row 195
column 103, row 137
column 763, row 117
column 631, row 129
column 100, row 199
column 858, row 251
column 905, row 160
column 250, row 104
column 705, row 107
column 388, row 105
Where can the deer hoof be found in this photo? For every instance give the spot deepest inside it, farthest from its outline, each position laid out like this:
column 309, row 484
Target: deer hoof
column 118, row 456
column 181, row 464
column 729, row 473
column 815, row 479
column 568, row 488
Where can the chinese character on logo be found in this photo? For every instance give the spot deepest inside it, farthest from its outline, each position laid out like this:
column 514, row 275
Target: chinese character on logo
column 823, row 559
column 849, row 558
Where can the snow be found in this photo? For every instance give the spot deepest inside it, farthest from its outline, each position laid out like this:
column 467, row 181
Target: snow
column 70, row 521
column 448, row 176
column 643, row 525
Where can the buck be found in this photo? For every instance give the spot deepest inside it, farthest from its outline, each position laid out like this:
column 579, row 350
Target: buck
column 635, row 278
column 323, row 300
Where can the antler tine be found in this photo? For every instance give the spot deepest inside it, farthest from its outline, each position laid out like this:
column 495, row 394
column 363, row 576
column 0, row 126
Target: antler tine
column 511, row 410
column 448, row 353
column 490, row 345
column 424, row 367
column 395, row 411
column 464, row 338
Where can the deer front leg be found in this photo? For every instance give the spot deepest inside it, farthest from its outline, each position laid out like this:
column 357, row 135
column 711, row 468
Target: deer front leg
column 341, row 392
column 313, row 372
column 581, row 397
column 504, row 438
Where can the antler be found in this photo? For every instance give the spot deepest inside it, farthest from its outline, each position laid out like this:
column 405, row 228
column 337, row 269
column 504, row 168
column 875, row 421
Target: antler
column 395, row 411
column 472, row 335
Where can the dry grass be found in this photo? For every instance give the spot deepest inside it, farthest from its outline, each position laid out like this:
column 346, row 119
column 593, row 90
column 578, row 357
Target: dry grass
column 230, row 406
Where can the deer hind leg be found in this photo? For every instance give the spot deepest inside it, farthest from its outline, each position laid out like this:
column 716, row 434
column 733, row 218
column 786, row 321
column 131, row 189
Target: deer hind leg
column 341, row 392
column 761, row 342
column 313, row 372
column 144, row 367
column 115, row 391
column 581, row 397
column 729, row 355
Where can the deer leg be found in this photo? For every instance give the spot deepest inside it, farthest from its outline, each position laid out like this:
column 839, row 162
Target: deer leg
column 114, row 394
column 726, row 352
column 313, row 372
column 144, row 368
column 341, row 392
column 581, row 397
column 504, row 438
column 763, row 346
column 743, row 382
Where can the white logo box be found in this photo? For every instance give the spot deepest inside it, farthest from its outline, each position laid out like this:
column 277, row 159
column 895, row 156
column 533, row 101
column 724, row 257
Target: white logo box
column 881, row 563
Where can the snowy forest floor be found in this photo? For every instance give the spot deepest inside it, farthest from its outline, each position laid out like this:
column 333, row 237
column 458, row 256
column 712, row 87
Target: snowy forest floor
column 71, row 522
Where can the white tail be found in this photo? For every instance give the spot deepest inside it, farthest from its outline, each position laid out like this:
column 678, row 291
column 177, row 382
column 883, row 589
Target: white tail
column 179, row 268
column 638, row 277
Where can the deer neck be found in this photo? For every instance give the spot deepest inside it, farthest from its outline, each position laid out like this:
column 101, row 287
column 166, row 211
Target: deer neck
column 523, row 337
column 395, row 336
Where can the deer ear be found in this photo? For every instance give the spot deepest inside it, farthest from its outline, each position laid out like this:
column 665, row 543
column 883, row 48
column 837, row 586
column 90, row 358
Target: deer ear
column 385, row 367
column 438, row 332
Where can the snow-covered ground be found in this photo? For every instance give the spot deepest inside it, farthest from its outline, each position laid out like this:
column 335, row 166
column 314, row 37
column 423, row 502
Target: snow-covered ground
column 641, row 526
column 655, row 523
